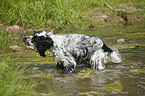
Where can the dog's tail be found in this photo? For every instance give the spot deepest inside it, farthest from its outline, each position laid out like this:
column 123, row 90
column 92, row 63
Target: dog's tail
column 114, row 54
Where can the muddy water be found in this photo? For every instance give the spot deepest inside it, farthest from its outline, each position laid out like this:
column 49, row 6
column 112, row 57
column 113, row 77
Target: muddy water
column 124, row 79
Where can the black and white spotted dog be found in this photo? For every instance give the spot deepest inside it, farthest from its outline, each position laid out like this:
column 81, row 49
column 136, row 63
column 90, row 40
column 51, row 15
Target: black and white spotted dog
column 73, row 49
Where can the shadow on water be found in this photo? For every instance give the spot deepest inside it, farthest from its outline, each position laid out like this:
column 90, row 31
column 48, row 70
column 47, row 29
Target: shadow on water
column 124, row 79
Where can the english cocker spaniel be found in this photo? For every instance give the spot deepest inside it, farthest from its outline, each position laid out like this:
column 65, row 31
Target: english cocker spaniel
column 73, row 49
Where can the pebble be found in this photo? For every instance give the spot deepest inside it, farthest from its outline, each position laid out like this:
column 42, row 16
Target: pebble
column 121, row 41
column 15, row 48
column 13, row 28
column 1, row 24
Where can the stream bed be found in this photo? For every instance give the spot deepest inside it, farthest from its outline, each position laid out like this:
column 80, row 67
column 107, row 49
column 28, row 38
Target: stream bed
column 124, row 79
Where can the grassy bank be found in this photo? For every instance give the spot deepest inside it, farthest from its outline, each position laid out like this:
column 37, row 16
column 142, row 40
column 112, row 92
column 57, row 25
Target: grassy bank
column 64, row 14
column 11, row 80
column 11, row 76
column 5, row 39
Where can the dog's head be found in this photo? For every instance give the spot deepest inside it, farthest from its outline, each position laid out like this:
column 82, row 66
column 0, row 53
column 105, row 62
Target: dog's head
column 28, row 41
column 41, row 40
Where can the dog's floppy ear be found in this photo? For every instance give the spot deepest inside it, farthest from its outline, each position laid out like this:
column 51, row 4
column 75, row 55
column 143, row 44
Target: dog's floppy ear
column 42, row 43
column 35, row 32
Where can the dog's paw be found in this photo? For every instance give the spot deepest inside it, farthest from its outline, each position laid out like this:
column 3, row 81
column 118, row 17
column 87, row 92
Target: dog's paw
column 68, row 70
column 59, row 65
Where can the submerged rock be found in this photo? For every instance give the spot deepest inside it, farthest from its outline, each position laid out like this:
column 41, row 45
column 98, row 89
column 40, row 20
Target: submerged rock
column 121, row 41
column 13, row 28
column 84, row 74
column 113, row 87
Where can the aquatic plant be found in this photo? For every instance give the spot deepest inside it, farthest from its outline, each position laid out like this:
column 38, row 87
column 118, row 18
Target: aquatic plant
column 113, row 87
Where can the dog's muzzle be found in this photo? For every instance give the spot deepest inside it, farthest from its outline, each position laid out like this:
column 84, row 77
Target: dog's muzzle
column 26, row 41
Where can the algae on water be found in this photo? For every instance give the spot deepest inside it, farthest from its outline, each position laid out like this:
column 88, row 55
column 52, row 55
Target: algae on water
column 113, row 87
column 90, row 93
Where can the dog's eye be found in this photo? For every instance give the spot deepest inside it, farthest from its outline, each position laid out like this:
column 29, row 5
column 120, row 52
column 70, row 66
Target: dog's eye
column 33, row 41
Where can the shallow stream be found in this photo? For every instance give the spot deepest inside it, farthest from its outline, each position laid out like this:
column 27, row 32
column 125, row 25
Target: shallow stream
column 124, row 79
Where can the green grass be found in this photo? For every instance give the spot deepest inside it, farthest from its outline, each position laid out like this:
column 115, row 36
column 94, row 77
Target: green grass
column 5, row 39
column 10, row 38
column 55, row 13
column 61, row 14
column 11, row 76
column 11, row 80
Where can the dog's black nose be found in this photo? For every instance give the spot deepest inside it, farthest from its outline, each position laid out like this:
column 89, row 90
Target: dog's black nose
column 25, row 41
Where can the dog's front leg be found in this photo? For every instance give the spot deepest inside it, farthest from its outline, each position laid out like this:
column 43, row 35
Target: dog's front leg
column 69, row 65
column 67, row 60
